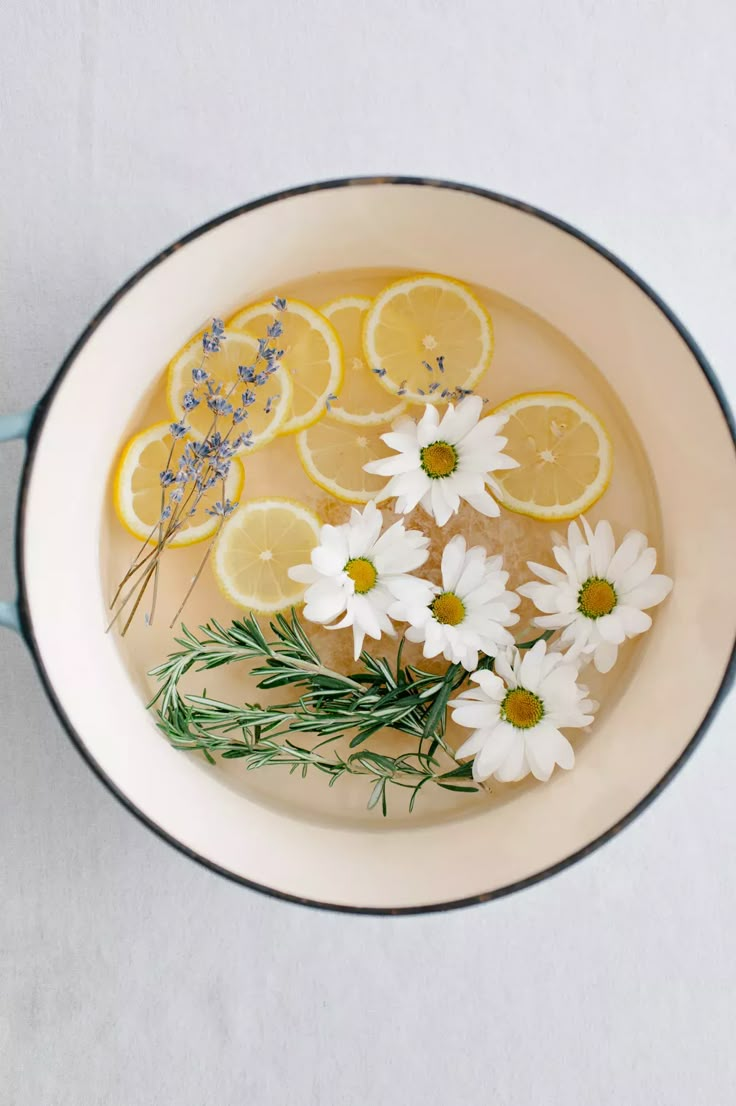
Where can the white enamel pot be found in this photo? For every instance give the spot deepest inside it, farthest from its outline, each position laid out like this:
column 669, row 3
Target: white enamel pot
column 659, row 374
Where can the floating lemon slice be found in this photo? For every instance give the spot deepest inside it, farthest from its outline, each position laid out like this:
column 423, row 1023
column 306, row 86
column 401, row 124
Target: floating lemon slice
column 333, row 454
column 418, row 319
column 256, row 549
column 266, row 414
column 137, row 487
column 564, row 453
column 312, row 356
column 362, row 400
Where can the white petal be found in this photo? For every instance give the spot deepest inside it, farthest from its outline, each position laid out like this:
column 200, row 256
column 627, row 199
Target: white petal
column 648, row 594
column 611, row 628
column 404, row 424
column 515, row 765
column 574, row 538
column 358, row 639
column 471, row 695
column 427, row 426
column 550, row 575
column 475, row 715
column 473, row 745
column 540, row 752
column 494, row 751
column 441, row 503
column 460, row 420
column 467, row 657
column 330, row 561
column 577, row 635
column 631, row 547
column 565, row 560
column 399, row 551
column 497, row 460
column 634, row 621
column 303, row 574
column 641, row 570
column 473, row 572
column 564, row 752
column 493, row 639
column 485, row 435
column 489, row 616
column 552, row 660
column 531, row 666
column 390, row 466
column 412, row 591
column 403, row 441
column 409, row 489
column 334, row 537
column 364, row 530
column 324, row 601
column 605, row 656
column 365, row 615
column 603, row 547
column 554, row 621
column 545, row 747
column 490, row 684
column 545, row 597
column 434, row 639
column 484, row 503
column 453, row 558
column 467, row 483
column 588, row 533
column 503, row 667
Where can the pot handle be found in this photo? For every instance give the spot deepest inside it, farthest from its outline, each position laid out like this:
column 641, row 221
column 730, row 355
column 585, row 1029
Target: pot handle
column 11, row 427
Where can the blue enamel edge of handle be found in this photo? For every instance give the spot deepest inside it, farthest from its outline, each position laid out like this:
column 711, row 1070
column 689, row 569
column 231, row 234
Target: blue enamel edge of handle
column 11, row 427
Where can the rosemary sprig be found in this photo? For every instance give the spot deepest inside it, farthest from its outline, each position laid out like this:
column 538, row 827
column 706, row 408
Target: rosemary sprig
column 412, row 770
column 329, row 705
column 326, row 704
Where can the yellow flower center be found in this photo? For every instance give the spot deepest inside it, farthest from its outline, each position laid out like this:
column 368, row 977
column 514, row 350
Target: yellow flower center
column 596, row 597
column 522, row 708
column 362, row 573
column 448, row 609
column 439, row 460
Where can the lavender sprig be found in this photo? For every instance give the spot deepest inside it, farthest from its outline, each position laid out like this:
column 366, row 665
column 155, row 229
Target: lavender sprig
column 201, row 465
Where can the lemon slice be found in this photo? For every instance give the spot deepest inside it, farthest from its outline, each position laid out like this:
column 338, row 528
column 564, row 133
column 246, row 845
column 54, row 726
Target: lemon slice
column 256, row 549
column 362, row 401
column 564, row 453
column 418, row 319
column 137, row 487
column 266, row 415
column 333, row 454
column 312, row 356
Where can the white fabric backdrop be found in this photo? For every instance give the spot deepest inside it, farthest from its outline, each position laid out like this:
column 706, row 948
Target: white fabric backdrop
column 129, row 975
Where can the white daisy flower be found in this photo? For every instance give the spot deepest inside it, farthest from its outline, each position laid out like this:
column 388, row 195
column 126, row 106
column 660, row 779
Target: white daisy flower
column 470, row 611
column 516, row 714
column 438, row 463
column 360, row 573
column 599, row 597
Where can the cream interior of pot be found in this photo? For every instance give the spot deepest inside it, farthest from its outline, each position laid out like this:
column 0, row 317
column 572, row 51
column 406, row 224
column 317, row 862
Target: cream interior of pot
column 690, row 459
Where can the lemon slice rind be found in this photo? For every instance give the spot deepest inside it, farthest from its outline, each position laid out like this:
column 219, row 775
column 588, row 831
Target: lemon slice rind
column 226, row 546
column 470, row 377
column 593, row 491
column 123, row 496
column 178, row 381
column 337, row 410
column 318, row 408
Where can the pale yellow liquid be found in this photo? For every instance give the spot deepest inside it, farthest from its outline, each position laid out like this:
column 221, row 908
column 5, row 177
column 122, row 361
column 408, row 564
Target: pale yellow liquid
column 530, row 355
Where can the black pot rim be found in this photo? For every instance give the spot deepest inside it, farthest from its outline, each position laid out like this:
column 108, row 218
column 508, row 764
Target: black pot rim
column 37, row 428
